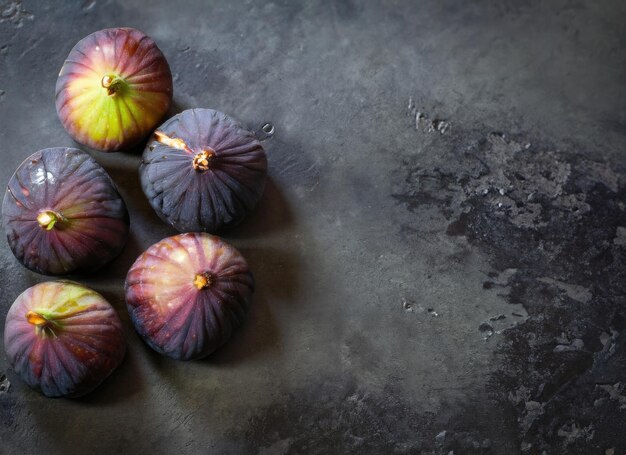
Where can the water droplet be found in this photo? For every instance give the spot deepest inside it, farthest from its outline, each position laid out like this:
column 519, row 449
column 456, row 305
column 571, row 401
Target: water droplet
column 419, row 116
column 5, row 384
column 486, row 329
column 268, row 129
column 88, row 5
column 440, row 125
column 265, row 132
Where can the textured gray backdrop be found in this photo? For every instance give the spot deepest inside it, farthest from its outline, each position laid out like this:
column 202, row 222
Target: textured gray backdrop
column 440, row 254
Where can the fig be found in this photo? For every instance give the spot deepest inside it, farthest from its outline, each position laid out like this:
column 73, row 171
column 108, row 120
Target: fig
column 63, row 214
column 202, row 171
column 63, row 339
column 113, row 89
column 187, row 293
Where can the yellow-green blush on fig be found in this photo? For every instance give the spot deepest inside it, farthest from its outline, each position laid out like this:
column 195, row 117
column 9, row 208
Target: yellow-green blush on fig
column 113, row 89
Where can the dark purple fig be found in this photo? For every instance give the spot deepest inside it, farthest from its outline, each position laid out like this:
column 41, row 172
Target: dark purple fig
column 113, row 89
column 63, row 339
column 202, row 171
column 63, row 214
column 187, row 293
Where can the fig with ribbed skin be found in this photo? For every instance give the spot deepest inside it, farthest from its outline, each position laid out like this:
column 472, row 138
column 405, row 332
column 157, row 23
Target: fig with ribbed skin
column 63, row 339
column 202, row 171
column 63, row 214
column 113, row 89
column 187, row 293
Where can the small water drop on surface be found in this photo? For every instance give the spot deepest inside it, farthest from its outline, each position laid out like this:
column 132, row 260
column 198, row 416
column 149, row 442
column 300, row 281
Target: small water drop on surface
column 486, row 329
column 268, row 128
column 88, row 5
column 265, row 132
column 441, row 126
column 5, row 384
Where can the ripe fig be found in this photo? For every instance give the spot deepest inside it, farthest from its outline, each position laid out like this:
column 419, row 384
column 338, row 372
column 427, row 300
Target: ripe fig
column 63, row 214
column 63, row 339
column 187, row 293
column 113, row 89
column 202, row 171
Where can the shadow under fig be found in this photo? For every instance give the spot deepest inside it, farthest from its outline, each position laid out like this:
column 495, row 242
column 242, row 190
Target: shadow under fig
column 124, row 382
column 272, row 213
column 276, row 278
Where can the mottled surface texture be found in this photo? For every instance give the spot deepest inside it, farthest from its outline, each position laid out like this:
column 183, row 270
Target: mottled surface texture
column 439, row 252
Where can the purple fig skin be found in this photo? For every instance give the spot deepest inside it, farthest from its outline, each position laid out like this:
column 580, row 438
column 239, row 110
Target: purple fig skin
column 187, row 293
column 63, row 339
column 63, row 214
column 202, row 171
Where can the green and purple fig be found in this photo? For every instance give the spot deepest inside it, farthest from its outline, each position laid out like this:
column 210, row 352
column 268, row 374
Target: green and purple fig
column 187, row 293
column 202, row 171
column 63, row 214
column 63, row 339
column 113, row 89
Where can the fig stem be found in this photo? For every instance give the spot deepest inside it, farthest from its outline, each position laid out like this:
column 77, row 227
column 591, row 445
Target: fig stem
column 203, row 280
column 202, row 160
column 48, row 218
column 36, row 319
column 42, row 324
column 112, row 83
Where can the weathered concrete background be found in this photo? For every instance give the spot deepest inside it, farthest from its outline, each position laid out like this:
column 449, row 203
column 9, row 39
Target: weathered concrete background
column 440, row 255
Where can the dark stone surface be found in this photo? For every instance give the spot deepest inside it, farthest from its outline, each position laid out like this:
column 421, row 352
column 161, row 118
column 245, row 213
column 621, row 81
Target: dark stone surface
column 452, row 288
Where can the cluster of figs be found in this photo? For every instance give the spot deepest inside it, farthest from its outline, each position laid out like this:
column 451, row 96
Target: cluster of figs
column 201, row 172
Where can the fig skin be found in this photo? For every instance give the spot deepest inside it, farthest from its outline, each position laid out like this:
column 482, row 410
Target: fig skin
column 63, row 339
column 202, row 171
column 63, row 214
column 187, row 293
column 113, row 89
